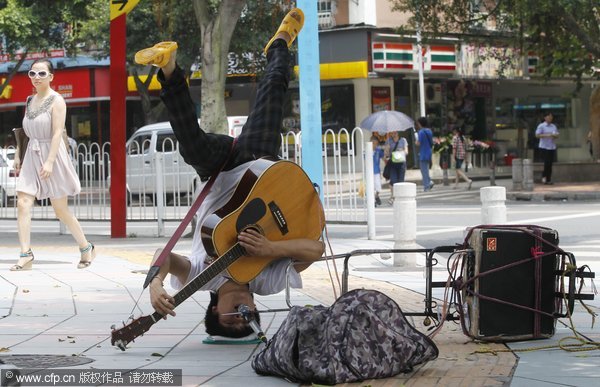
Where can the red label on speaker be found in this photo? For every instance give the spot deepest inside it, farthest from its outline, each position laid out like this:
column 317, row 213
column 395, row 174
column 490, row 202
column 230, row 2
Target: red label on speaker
column 491, row 244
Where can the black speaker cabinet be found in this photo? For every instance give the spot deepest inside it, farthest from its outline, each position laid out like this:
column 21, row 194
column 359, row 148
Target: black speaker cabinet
column 495, row 289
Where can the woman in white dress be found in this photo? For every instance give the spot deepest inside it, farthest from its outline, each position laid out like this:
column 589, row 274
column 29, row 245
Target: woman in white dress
column 46, row 170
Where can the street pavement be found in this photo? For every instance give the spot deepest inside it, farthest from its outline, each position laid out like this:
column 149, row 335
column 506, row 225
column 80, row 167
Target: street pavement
column 59, row 318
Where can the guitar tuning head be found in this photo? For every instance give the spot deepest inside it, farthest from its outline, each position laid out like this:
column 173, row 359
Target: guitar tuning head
column 121, row 345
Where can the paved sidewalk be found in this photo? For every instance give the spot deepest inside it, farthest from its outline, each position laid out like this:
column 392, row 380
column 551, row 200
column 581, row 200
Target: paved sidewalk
column 66, row 314
column 59, row 317
column 572, row 191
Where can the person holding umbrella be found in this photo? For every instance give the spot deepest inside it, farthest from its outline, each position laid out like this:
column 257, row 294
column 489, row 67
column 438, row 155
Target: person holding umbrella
column 396, row 151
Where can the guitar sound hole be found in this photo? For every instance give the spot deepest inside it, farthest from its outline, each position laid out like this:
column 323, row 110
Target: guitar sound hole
column 253, row 212
column 254, row 227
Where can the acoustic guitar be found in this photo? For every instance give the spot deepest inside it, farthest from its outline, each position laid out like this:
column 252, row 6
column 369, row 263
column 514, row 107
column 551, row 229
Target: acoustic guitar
column 275, row 198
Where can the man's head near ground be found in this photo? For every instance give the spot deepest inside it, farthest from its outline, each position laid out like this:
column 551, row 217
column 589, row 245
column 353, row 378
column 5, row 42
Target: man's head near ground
column 222, row 318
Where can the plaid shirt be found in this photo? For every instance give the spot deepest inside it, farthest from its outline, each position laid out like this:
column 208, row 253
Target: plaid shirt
column 260, row 137
column 458, row 148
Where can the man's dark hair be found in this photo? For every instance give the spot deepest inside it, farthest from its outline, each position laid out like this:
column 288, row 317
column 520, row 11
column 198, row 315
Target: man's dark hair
column 423, row 122
column 214, row 328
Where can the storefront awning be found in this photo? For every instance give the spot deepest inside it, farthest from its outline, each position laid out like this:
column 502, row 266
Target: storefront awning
column 342, row 70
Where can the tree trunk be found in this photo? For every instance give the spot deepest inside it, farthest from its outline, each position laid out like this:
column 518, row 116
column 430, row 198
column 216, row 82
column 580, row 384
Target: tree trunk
column 12, row 73
column 214, row 72
column 216, row 31
column 595, row 121
column 151, row 114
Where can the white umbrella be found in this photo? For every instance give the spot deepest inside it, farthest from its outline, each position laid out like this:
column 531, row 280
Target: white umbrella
column 386, row 121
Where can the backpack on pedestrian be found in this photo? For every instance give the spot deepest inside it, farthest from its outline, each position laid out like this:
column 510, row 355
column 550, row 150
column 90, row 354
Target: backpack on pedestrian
column 362, row 336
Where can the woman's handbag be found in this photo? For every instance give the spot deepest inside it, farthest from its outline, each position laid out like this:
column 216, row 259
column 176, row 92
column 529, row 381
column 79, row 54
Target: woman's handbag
column 398, row 156
column 22, row 141
column 386, row 169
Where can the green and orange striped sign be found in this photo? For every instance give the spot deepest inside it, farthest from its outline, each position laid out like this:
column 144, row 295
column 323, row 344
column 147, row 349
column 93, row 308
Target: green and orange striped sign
column 441, row 58
column 392, row 56
column 402, row 57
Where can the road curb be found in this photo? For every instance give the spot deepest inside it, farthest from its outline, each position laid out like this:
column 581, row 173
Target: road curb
column 552, row 196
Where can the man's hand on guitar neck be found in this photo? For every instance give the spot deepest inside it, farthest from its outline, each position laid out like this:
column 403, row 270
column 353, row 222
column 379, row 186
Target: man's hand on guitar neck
column 162, row 302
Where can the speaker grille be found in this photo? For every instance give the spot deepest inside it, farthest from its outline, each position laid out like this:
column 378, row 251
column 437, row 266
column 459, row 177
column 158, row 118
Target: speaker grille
column 530, row 284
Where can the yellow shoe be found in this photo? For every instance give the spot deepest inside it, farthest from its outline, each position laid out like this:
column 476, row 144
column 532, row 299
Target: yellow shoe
column 292, row 24
column 157, row 55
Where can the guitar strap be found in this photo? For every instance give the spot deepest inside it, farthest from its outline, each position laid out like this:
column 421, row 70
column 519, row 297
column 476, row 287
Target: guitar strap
column 153, row 271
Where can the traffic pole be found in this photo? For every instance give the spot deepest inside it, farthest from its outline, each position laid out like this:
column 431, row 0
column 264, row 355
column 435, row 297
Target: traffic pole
column 118, row 82
column 118, row 89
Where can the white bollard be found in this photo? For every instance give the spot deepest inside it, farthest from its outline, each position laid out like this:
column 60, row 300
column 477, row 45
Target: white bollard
column 517, row 174
column 527, row 175
column 493, row 205
column 405, row 223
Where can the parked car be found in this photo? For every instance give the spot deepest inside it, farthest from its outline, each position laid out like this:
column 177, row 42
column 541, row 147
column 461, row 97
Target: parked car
column 8, row 176
column 157, row 141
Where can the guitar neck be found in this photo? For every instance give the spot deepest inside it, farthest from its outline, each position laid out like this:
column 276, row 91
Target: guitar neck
column 220, row 264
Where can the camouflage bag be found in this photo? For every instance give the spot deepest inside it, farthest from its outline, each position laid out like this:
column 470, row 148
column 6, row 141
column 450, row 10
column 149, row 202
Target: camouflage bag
column 363, row 335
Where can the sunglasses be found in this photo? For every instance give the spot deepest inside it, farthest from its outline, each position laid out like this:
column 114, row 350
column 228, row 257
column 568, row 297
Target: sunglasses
column 40, row 74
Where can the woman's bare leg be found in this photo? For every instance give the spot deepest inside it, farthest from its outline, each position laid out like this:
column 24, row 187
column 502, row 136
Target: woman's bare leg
column 24, row 204
column 61, row 209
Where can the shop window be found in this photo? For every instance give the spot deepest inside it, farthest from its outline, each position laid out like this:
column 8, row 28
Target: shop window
column 337, row 109
column 517, row 120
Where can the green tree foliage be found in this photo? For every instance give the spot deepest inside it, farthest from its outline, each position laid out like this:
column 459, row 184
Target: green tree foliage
column 201, row 30
column 564, row 34
column 38, row 26
column 256, row 26
column 151, row 21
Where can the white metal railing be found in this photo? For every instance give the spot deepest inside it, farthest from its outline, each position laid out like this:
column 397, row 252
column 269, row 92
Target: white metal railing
column 161, row 189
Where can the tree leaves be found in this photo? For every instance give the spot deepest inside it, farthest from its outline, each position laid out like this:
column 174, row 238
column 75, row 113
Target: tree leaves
column 564, row 34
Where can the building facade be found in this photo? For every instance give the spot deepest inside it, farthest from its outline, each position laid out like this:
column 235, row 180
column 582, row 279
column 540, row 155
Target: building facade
column 360, row 49
column 84, row 82
column 366, row 66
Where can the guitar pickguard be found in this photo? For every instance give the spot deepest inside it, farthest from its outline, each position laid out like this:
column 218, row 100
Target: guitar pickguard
column 252, row 212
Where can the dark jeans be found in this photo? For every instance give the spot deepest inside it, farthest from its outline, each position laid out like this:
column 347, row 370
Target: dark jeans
column 397, row 172
column 548, row 157
column 260, row 137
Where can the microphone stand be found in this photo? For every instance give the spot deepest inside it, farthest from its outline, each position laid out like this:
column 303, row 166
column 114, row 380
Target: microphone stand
column 244, row 310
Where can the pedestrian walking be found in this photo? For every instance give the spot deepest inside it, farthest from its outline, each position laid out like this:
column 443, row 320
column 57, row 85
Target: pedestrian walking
column 46, row 170
column 425, row 143
column 547, row 132
column 396, row 152
column 459, row 153
column 378, row 155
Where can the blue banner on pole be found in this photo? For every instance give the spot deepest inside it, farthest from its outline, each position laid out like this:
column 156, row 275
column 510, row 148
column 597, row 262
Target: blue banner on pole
column 310, row 93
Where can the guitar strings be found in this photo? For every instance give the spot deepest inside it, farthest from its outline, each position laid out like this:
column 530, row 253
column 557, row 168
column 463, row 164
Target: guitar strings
column 135, row 305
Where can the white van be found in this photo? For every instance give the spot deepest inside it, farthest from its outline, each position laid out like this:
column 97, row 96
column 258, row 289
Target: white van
column 156, row 142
